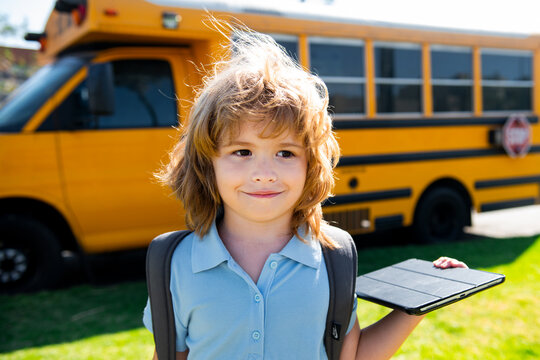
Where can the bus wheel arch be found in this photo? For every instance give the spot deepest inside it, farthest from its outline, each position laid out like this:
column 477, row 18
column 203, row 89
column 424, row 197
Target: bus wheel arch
column 34, row 234
column 442, row 211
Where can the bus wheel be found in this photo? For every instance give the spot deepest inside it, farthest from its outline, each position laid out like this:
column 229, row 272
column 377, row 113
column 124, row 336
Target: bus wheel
column 30, row 255
column 440, row 216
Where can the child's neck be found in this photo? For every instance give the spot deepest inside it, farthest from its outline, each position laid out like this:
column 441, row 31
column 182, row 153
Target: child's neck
column 250, row 243
column 264, row 234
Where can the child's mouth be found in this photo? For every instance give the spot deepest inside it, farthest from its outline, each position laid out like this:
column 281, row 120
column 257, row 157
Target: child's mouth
column 264, row 194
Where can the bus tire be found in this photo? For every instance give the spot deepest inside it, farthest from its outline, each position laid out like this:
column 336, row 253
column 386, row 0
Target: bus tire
column 30, row 255
column 440, row 216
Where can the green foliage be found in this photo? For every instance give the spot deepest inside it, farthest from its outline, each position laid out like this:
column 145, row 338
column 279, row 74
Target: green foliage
column 88, row 322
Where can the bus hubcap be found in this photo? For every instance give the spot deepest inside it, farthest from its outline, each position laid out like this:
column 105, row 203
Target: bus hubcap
column 13, row 265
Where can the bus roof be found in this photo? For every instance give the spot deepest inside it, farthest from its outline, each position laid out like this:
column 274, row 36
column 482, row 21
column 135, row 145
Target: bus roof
column 316, row 12
column 142, row 22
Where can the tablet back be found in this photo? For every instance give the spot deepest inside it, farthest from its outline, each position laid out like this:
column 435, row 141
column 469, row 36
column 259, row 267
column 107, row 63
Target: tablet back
column 417, row 287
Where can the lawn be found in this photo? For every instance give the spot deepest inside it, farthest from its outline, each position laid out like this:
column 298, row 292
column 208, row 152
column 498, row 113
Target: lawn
column 91, row 322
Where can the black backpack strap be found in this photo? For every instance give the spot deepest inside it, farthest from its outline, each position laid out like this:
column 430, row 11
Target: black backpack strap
column 158, row 278
column 341, row 265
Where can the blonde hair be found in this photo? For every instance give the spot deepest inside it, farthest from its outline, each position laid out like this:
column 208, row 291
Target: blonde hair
column 259, row 82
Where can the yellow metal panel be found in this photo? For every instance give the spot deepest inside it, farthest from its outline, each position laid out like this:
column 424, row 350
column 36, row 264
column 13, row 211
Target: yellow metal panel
column 477, row 82
column 406, row 140
column 29, row 164
column 370, row 79
column 426, row 68
column 506, row 193
column 536, row 79
column 110, row 186
column 30, row 169
column 535, row 135
column 303, row 47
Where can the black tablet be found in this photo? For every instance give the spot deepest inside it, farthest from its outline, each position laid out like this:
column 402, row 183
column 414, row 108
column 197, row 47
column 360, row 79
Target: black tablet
column 418, row 287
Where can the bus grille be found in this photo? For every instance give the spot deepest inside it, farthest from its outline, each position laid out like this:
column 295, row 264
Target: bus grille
column 353, row 221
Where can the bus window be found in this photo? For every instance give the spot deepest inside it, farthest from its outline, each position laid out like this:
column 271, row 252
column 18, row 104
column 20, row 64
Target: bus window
column 398, row 77
column 340, row 63
column 506, row 80
column 144, row 95
column 451, row 73
column 289, row 42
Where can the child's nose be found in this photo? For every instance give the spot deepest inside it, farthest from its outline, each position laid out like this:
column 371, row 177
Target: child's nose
column 264, row 172
column 264, row 178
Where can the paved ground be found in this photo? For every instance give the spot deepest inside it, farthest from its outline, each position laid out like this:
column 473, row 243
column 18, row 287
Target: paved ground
column 524, row 221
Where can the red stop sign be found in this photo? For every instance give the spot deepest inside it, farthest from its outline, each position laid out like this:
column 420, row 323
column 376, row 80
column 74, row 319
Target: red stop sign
column 516, row 136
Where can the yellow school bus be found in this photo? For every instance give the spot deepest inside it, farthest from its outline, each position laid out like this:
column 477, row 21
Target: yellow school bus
column 432, row 123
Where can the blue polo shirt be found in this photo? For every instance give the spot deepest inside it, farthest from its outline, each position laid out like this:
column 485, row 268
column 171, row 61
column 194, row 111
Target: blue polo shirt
column 220, row 313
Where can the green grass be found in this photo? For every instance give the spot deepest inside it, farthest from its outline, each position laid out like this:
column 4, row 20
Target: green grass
column 83, row 322
column 500, row 323
column 87, row 322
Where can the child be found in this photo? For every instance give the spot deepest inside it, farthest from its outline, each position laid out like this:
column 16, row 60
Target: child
column 253, row 165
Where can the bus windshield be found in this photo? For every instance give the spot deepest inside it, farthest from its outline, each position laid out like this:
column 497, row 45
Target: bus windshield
column 20, row 105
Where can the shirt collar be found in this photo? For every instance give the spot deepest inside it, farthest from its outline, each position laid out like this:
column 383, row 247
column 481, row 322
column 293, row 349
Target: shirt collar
column 308, row 253
column 208, row 252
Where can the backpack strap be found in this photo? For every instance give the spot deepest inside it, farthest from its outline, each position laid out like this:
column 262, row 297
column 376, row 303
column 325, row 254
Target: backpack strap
column 341, row 265
column 158, row 278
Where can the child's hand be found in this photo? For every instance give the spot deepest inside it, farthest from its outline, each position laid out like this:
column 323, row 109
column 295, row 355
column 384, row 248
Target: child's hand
column 445, row 262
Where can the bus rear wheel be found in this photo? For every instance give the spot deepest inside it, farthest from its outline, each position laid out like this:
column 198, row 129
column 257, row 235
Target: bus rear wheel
column 30, row 255
column 440, row 216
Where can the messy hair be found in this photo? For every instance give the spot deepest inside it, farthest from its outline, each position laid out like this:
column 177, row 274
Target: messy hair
column 258, row 82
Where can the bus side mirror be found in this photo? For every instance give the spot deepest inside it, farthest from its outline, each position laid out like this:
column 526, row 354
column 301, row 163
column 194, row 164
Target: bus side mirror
column 101, row 89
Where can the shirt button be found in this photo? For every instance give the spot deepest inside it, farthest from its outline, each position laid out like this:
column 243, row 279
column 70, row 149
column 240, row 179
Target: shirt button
column 273, row 265
column 257, row 298
column 256, row 335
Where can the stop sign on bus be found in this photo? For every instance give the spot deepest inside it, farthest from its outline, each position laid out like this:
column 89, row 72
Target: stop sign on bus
column 516, row 136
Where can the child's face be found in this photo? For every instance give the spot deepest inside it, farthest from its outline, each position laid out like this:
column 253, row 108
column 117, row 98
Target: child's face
column 260, row 179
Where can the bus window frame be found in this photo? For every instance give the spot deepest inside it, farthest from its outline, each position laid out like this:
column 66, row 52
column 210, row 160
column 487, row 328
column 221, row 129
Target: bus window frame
column 343, row 79
column 452, row 82
column 507, row 83
column 399, row 81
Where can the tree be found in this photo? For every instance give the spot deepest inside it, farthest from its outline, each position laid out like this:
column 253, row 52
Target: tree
column 13, row 71
column 7, row 29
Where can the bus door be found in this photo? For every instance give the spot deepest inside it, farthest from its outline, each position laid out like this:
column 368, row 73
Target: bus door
column 108, row 161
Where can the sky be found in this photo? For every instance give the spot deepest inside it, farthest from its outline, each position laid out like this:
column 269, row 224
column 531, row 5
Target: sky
column 513, row 16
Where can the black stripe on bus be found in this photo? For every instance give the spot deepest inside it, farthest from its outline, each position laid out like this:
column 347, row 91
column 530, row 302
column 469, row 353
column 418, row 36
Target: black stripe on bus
column 368, row 196
column 485, row 184
column 389, row 222
column 423, row 156
column 507, row 204
column 421, row 122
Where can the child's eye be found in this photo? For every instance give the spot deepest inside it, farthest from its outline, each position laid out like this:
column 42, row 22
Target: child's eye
column 242, row 152
column 285, row 154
